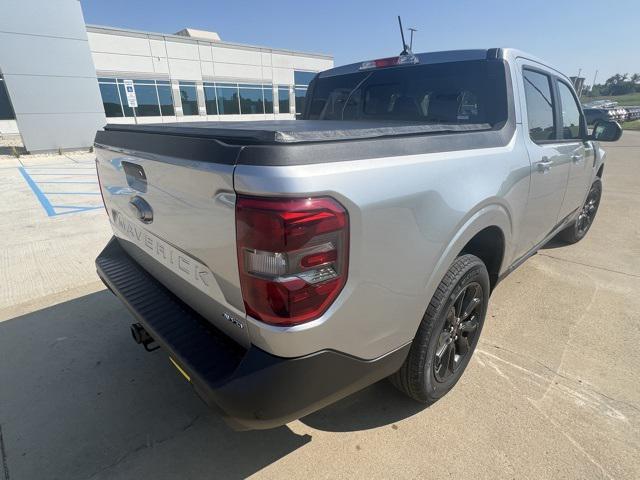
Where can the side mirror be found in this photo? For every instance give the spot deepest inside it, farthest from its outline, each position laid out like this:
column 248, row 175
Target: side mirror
column 606, row 131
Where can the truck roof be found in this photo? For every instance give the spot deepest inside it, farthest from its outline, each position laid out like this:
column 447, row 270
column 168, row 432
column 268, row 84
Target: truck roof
column 426, row 58
column 452, row 56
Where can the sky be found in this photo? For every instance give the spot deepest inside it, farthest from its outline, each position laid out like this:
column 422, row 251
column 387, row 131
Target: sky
column 573, row 35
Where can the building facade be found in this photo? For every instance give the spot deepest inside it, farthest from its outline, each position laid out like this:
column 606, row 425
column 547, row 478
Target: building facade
column 190, row 76
column 193, row 75
column 48, row 89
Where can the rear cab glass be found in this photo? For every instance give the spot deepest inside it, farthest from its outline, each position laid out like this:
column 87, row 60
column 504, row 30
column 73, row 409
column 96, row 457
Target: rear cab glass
column 471, row 92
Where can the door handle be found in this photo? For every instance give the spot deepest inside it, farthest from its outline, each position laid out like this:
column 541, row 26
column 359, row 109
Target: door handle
column 576, row 158
column 544, row 165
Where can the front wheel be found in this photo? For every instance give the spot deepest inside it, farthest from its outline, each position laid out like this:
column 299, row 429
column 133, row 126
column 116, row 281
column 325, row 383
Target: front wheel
column 578, row 229
column 448, row 332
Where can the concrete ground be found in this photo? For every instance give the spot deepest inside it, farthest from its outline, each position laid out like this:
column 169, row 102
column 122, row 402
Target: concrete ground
column 553, row 390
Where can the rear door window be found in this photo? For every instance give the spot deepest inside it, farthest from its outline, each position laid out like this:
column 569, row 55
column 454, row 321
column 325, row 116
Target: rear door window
column 540, row 107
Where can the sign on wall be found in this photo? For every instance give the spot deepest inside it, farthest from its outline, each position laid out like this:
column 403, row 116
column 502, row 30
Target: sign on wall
column 131, row 94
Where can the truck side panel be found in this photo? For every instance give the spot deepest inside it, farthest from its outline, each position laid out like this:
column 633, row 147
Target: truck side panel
column 405, row 214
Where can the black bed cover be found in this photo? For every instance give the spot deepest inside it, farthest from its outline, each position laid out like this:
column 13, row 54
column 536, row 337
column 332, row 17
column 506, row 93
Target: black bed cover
column 274, row 132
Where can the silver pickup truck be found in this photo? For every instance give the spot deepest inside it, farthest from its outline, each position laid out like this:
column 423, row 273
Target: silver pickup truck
column 283, row 265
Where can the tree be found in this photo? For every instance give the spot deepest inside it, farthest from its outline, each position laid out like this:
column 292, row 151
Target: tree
column 614, row 80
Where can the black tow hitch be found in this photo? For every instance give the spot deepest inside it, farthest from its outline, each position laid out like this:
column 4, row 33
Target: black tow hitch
column 142, row 337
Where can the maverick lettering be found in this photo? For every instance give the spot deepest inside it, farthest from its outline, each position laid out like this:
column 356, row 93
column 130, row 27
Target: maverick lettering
column 180, row 263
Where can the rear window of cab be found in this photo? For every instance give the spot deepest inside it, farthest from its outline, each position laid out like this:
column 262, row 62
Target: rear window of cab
column 465, row 92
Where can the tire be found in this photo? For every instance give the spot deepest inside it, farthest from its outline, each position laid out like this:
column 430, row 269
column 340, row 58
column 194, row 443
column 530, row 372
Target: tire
column 579, row 228
column 424, row 376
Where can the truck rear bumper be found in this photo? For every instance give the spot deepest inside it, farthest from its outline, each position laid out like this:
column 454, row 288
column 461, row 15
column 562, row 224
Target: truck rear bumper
column 253, row 389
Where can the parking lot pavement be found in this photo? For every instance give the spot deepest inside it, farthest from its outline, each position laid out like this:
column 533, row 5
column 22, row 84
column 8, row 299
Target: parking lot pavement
column 552, row 391
column 52, row 224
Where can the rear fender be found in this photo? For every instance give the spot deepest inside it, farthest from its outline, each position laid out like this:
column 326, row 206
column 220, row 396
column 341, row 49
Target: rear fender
column 486, row 216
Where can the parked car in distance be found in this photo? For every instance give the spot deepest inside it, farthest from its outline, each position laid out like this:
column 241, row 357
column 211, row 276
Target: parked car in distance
column 601, row 104
column 633, row 113
column 594, row 115
column 283, row 265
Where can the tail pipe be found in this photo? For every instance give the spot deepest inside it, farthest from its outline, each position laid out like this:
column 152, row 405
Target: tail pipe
column 142, row 337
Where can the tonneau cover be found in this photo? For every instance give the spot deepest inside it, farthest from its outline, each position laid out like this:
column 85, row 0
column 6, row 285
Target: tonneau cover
column 294, row 131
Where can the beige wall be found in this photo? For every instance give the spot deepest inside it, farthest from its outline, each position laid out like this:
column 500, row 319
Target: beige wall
column 127, row 54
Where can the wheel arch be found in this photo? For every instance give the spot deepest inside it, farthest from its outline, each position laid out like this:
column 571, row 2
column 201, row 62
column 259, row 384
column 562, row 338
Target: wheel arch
column 488, row 227
column 488, row 245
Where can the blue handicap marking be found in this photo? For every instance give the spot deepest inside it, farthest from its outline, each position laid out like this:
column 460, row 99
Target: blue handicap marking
column 43, row 197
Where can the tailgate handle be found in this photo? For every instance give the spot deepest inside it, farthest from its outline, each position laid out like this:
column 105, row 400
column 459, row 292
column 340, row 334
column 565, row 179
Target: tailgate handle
column 136, row 178
column 141, row 209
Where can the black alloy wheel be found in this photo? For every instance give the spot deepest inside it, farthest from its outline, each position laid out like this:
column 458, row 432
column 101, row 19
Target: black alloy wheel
column 448, row 332
column 589, row 209
column 578, row 229
column 458, row 333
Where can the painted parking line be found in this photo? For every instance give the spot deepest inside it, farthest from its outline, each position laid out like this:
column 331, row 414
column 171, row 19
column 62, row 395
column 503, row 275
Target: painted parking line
column 60, row 166
column 40, row 182
column 38, row 193
column 46, row 197
column 71, row 193
column 63, row 174
column 73, row 209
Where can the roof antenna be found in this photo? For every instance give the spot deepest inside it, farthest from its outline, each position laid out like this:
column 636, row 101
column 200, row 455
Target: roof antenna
column 411, row 29
column 405, row 48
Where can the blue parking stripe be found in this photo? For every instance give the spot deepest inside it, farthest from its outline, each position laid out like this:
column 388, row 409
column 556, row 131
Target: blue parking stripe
column 73, row 167
column 65, row 181
column 71, row 193
column 74, row 209
column 64, row 174
column 38, row 193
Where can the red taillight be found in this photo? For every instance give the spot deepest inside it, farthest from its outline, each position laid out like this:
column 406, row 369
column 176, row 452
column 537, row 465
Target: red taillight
column 292, row 256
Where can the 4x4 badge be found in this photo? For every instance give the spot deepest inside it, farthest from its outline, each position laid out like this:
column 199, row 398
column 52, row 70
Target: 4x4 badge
column 231, row 319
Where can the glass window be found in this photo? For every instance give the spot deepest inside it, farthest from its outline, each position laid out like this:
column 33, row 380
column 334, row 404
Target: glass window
column 268, row 98
column 537, row 91
column 128, row 111
column 189, row 98
column 228, row 102
column 166, row 99
column 110, row 99
column 283, row 99
column 153, row 96
column 147, row 98
column 472, row 92
column 303, row 78
column 251, row 101
column 301, row 94
column 570, row 113
column 210, row 101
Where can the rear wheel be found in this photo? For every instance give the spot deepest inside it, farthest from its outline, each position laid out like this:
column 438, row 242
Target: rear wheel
column 448, row 333
column 578, row 229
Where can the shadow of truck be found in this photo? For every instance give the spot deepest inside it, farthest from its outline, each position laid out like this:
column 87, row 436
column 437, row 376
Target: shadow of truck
column 78, row 399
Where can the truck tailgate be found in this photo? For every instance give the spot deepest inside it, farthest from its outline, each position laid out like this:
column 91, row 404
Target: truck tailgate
column 171, row 206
